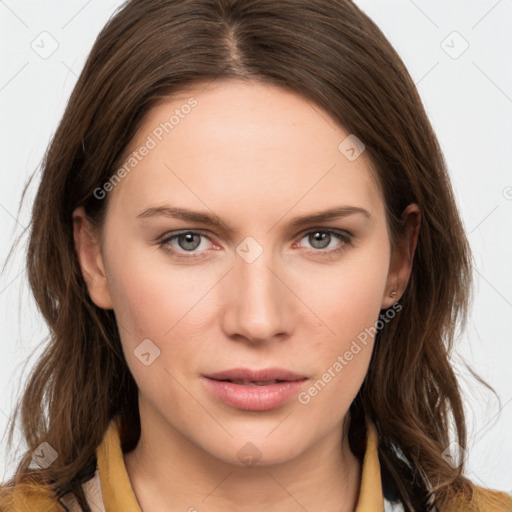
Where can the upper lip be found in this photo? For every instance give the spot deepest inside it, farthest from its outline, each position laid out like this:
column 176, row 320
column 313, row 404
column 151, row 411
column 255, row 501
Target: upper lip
column 248, row 375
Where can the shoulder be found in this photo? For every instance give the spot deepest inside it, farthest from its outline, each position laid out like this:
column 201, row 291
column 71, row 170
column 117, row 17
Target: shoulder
column 481, row 500
column 24, row 497
column 37, row 498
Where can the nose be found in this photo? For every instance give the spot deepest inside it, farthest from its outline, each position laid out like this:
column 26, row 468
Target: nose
column 260, row 306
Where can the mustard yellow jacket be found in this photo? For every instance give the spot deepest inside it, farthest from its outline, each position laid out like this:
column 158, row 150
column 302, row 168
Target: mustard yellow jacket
column 109, row 490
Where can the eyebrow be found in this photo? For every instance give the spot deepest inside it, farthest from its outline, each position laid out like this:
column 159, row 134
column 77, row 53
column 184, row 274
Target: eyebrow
column 213, row 220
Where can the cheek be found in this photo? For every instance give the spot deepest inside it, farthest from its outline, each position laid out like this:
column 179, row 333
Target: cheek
column 164, row 304
column 149, row 295
column 349, row 301
column 151, row 303
column 341, row 359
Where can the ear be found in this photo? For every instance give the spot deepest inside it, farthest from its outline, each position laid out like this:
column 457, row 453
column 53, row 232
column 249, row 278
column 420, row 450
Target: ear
column 402, row 256
column 87, row 246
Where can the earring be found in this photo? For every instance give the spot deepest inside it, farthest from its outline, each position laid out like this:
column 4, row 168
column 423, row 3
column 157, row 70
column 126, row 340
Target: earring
column 393, row 294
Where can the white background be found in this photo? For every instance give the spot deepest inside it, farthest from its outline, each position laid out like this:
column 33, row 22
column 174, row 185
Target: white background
column 468, row 99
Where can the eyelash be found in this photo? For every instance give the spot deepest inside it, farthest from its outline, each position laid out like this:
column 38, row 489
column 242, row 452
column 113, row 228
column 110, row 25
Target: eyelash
column 343, row 236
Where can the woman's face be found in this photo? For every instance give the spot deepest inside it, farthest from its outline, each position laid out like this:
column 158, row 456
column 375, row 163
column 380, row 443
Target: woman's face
column 255, row 285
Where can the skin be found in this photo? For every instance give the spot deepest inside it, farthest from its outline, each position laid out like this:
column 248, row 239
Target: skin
column 256, row 156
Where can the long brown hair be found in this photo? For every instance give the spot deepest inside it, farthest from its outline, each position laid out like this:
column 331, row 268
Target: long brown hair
column 331, row 53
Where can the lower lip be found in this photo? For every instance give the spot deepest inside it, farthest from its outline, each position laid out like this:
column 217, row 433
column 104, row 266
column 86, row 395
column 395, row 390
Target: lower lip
column 254, row 398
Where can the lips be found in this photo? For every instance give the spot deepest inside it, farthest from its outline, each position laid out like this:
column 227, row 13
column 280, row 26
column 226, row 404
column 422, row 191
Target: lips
column 254, row 390
column 264, row 377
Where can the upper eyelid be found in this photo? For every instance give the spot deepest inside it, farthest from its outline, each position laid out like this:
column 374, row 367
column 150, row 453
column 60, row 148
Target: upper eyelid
column 174, row 235
column 340, row 232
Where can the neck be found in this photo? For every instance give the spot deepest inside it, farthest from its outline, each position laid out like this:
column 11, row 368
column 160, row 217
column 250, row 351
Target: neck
column 167, row 470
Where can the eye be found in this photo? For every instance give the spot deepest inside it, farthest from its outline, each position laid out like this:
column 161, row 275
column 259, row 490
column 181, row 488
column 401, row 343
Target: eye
column 321, row 240
column 186, row 242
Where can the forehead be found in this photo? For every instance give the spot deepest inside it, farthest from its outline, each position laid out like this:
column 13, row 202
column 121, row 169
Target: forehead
column 245, row 145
